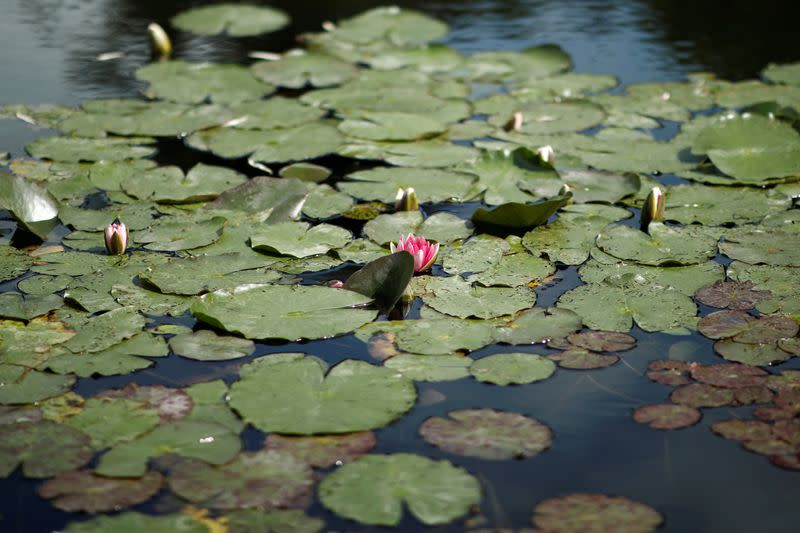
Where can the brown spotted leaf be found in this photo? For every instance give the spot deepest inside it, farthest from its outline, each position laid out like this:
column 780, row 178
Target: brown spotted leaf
column 702, row 395
column 603, row 341
column 667, row 416
column 594, row 513
column 323, row 450
column 729, row 375
column 82, row 490
column 731, row 295
column 580, row 359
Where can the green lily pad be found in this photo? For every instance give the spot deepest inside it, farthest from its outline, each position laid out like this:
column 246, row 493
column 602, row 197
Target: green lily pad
column 305, row 171
column 575, row 512
column 420, row 154
column 207, row 273
column 758, row 245
column 373, row 490
column 515, row 270
column 30, row 344
column 172, row 404
column 275, row 521
column 207, row 442
column 444, row 336
column 32, row 206
column 81, row 490
column 396, row 26
column 598, row 186
column 539, row 325
column 742, row 430
column 299, row 239
column 702, row 395
column 431, row 185
column 121, row 358
column 131, row 522
column 731, row 295
column 782, row 282
column 325, row 202
column 194, row 83
column 688, row 204
column 391, row 126
column 105, row 330
column 487, row 434
column 667, row 416
column 75, row 149
column 298, row 69
column 43, row 448
column 384, row 279
column 305, row 401
column 788, row 73
column 542, row 118
column 237, row 20
column 14, row 305
column 170, row 186
column 111, row 421
column 665, row 245
column 430, row 367
column 205, row 345
column 13, row 262
column 456, row 297
column 532, row 63
column 512, row 368
column 627, row 299
column 754, row 354
column 171, row 236
column 276, row 200
column 22, row 385
column 323, row 451
column 281, row 481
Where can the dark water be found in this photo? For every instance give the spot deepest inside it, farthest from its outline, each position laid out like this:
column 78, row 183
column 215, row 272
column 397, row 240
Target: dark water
column 700, row 482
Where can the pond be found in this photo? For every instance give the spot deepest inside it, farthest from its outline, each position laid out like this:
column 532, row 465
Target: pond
column 214, row 377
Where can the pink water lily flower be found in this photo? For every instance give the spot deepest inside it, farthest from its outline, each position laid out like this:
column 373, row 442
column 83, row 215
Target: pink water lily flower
column 424, row 252
column 116, row 237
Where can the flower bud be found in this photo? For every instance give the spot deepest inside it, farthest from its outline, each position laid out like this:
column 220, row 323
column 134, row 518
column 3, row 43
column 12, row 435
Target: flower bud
column 160, row 44
column 116, row 237
column 547, row 155
column 653, row 209
column 406, row 200
column 515, row 122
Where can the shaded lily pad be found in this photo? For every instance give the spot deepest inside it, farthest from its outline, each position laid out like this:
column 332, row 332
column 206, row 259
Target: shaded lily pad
column 430, row 367
column 171, row 236
column 587, row 512
column 669, row 372
column 597, row 186
column 487, row 434
column 208, row 442
column 14, row 305
column 205, row 345
column 702, row 395
column 237, row 20
column 264, row 479
column 723, row 324
column 722, row 205
column 667, row 416
column 13, row 262
column 730, row 375
column 743, row 430
column 82, row 490
column 43, row 448
column 512, row 368
column 581, row 359
column 132, row 521
column 603, row 341
column 374, row 489
column 757, row 245
column 516, row 217
column 103, row 331
column 731, row 295
column 354, row 396
column 384, row 279
column 286, row 312
column 323, row 451
column 275, row 521
column 299, row 68
column 391, row 126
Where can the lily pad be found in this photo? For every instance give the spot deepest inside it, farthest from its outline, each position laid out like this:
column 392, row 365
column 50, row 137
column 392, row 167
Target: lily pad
column 487, row 434
column 110, row 421
column 275, row 521
column 731, row 295
column 669, row 372
column 205, row 345
column 189, row 276
column 391, row 126
column 170, row 186
column 431, row 185
column 539, row 325
column 702, row 395
column 688, row 204
column 782, row 282
column 512, row 368
column 444, row 336
column 237, row 20
column 81, row 490
column 758, row 245
column 396, row 26
column 43, row 448
column 106, row 330
column 303, row 400
column 75, row 149
column 32, row 206
column 323, row 451
column 588, row 512
column 581, row 359
column 23, row 385
column 384, row 279
column 373, row 490
column 456, row 297
column 13, row 262
column 172, row 236
column 430, row 367
column 132, row 521
column 743, row 430
column 754, row 354
column 729, row 375
column 665, row 245
column 266, row 479
column 667, row 416
column 299, row 239
column 603, row 341
column 299, row 68
column 14, row 305
column 515, row 270
column 172, row 404
column 286, row 312
column 516, row 217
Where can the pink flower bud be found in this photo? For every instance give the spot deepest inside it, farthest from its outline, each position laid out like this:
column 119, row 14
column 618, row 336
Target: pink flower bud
column 116, row 236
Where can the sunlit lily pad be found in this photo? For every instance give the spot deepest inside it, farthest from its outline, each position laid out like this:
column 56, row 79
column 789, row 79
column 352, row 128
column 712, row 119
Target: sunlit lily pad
column 731, row 295
column 109, row 421
column 595, row 512
column 105, row 330
column 477, row 254
column 237, row 20
column 14, row 305
column 296, row 70
column 32, row 206
column 81, row 490
column 169, row 184
column 22, row 385
column 299, row 239
column 539, row 325
column 431, row 185
column 43, row 449
column 354, row 396
column 667, row 416
column 132, row 521
column 437, row 336
column 782, row 282
column 515, row 270
column 487, row 434
column 207, row 273
column 205, row 345
column 723, row 324
column 702, row 395
column 722, row 205
column 375, row 488
column 325, row 450
column 512, row 368
column 324, row 201
column 430, row 367
column 400, row 27
column 13, row 262
column 758, row 245
column 171, row 236
column 665, row 245
column 755, row 354
column 456, row 297
column 531, row 63
column 122, row 358
column 274, row 521
column 389, row 126
column 74, row 149
column 271, row 199
column 265, row 479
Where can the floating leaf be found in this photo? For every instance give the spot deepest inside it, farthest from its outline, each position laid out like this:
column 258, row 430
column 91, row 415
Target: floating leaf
column 668, row 372
column 110, row 421
column 539, row 325
column 43, row 448
column 81, row 490
column 603, row 341
column 742, row 430
column 755, row 354
column 512, row 368
column 515, row 217
column 665, row 245
column 667, row 416
column 299, row 239
column 702, row 395
column 430, row 367
column 275, row 521
column 132, row 521
column 730, row 375
column 374, row 488
column 587, row 512
column 172, row 236
column 782, row 282
column 475, row 255
column 172, row 404
column 14, row 305
column 431, row 185
column 598, row 186
column 74, row 149
column 13, row 262
column 205, row 345
column 354, row 396
column 456, row 297
column 435, row 337
column 195, row 275
column 237, row 20
column 298, row 69
column 323, row 451
column 487, row 434
column 758, row 245
column 22, row 385
column 580, row 359
column 286, row 312
column 169, row 185
column 384, row 280
column 399, row 27
column 103, row 331
column 731, row 295
column 688, row 204
column 515, row 270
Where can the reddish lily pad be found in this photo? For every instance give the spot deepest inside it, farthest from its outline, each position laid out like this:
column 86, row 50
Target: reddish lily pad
column 595, row 512
column 788, row 430
column 44, row 448
column 267, row 479
column 723, row 324
column 751, row 395
column 323, row 450
column 770, row 414
column 729, row 375
column 487, row 434
column 580, row 359
column 82, row 490
column 772, row 446
column 789, row 399
column 172, row 404
column 669, row 372
column 750, row 354
column 702, row 395
column 789, row 461
column 743, row 430
column 769, row 328
column 603, row 341
column 667, row 416
column 731, row 295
